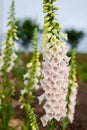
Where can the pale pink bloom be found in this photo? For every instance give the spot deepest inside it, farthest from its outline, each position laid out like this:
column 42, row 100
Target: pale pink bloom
column 47, row 55
column 47, row 87
column 56, row 50
column 47, row 65
column 56, row 60
column 48, row 96
column 48, row 107
column 54, row 83
column 45, row 120
column 46, row 74
column 55, row 69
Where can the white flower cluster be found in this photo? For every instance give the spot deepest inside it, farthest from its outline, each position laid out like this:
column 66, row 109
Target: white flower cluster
column 72, row 102
column 1, row 57
column 37, row 74
column 10, row 54
column 36, row 85
column 55, row 81
column 11, row 62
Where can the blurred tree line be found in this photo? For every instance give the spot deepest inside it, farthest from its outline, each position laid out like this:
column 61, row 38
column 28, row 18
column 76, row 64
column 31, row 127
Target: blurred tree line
column 27, row 26
column 74, row 37
column 25, row 30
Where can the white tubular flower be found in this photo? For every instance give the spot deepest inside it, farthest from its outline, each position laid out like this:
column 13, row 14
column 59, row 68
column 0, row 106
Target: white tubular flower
column 3, row 46
column 13, row 56
column 63, row 35
column 35, row 86
column 47, row 54
column 44, row 120
column 11, row 65
column 72, row 102
column 26, row 79
column 47, row 36
column 29, row 65
column 24, row 91
column 36, row 75
column 26, row 76
column 72, row 89
column 1, row 63
column 36, row 80
column 41, row 98
column 26, row 82
column 11, row 62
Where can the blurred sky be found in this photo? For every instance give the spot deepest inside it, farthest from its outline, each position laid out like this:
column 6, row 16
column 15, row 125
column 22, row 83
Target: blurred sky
column 72, row 13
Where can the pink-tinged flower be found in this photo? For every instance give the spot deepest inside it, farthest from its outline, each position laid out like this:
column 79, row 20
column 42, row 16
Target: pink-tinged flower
column 54, row 83
column 47, row 55
column 45, row 120
column 46, row 74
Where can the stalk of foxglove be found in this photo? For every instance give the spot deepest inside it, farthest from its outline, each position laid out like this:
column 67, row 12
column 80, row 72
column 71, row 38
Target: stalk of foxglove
column 32, row 77
column 8, row 56
column 31, row 82
column 72, row 93
column 55, row 67
column 72, row 89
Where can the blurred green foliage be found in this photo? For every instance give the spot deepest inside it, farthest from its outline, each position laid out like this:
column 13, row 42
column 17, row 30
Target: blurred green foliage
column 84, row 76
column 82, row 67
